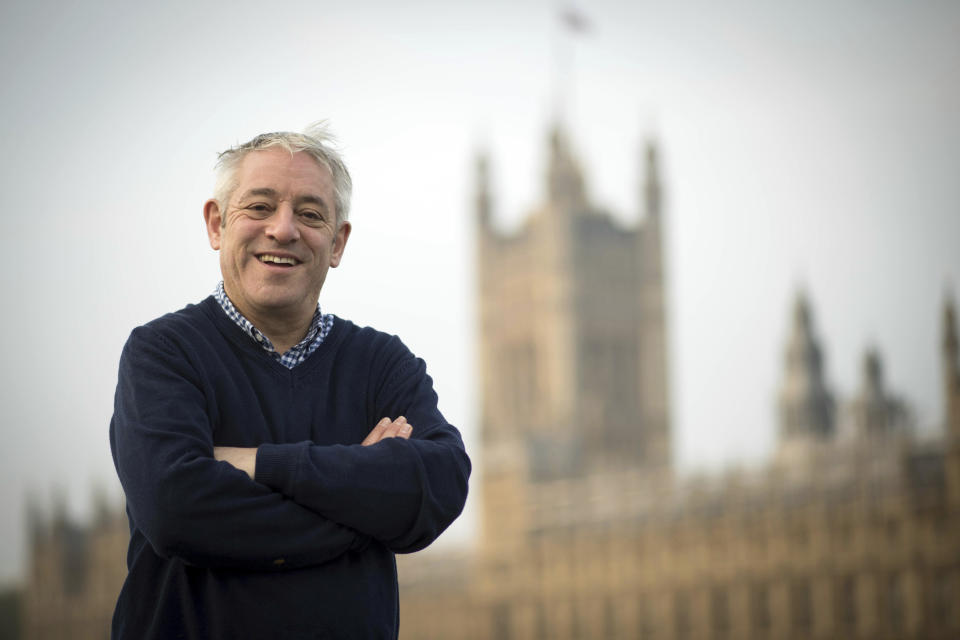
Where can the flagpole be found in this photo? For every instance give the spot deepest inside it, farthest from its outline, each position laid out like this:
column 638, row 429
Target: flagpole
column 570, row 23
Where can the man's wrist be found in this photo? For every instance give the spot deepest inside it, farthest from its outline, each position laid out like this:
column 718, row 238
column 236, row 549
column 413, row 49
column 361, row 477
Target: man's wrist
column 242, row 458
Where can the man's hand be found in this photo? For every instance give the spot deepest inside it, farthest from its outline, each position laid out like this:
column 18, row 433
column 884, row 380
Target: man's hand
column 243, row 458
column 388, row 428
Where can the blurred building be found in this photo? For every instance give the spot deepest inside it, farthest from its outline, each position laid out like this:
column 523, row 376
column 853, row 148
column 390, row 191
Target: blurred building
column 74, row 573
column 851, row 531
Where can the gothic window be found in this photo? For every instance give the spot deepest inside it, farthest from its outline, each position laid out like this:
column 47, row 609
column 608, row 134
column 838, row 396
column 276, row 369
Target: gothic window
column 720, row 611
column 939, row 600
column 801, row 605
column 609, row 618
column 683, row 625
column 501, row 621
column 540, row 621
column 800, row 534
column 845, row 603
column 760, row 607
column 892, row 529
column 578, row 625
column 892, row 602
column 843, row 531
column 520, row 384
column 645, row 616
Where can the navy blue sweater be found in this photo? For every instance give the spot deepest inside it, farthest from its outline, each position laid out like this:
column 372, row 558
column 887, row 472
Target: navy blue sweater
column 306, row 549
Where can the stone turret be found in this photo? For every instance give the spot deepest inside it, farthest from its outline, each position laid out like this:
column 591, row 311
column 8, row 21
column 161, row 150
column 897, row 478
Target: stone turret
column 950, row 355
column 654, row 403
column 874, row 413
column 806, row 405
column 565, row 187
column 482, row 199
column 652, row 192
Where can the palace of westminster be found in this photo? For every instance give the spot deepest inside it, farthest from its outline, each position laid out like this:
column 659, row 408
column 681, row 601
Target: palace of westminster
column 851, row 530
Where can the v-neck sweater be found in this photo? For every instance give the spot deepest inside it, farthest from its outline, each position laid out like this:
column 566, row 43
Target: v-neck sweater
column 306, row 549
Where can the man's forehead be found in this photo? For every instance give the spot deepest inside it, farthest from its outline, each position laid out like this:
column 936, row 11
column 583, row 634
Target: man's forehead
column 277, row 161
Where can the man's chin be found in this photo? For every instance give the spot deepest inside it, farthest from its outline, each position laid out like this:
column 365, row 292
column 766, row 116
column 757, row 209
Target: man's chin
column 285, row 303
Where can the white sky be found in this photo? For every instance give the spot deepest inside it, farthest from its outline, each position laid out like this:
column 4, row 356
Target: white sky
column 817, row 144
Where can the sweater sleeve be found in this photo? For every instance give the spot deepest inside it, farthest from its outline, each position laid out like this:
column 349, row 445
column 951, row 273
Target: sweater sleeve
column 403, row 493
column 186, row 503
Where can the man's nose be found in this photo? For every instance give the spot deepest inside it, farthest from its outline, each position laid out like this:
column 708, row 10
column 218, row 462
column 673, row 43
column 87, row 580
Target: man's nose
column 283, row 225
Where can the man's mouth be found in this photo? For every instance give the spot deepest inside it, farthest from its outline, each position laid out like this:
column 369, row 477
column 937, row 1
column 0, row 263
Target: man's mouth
column 282, row 261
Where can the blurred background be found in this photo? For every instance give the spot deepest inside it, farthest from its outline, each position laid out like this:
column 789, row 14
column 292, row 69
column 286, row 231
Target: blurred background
column 627, row 213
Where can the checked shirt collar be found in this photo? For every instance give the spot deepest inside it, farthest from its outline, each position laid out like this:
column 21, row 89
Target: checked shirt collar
column 319, row 329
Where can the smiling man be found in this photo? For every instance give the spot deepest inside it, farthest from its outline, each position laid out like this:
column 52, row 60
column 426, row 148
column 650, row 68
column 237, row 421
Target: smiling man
column 275, row 457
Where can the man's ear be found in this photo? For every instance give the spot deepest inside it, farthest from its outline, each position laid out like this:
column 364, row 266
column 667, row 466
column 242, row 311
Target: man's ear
column 339, row 243
column 213, row 218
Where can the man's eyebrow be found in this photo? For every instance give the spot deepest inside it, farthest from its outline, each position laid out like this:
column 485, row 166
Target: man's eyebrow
column 312, row 199
column 265, row 192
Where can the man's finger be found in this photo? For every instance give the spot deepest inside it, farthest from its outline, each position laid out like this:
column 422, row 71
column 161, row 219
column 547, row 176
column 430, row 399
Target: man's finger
column 403, row 428
column 376, row 433
column 393, row 429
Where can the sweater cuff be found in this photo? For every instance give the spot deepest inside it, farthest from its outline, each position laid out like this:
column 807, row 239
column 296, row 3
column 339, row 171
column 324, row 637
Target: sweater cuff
column 277, row 465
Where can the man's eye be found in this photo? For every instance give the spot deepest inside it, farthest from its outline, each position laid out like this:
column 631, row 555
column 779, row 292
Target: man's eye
column 312, row 216
column 258, row 210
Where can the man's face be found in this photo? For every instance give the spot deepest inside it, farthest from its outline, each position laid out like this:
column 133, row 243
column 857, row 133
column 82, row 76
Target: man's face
column 280, row 236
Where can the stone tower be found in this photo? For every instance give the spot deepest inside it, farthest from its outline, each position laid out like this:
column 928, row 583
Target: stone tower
column 950, row 354
column 572, row 339
column 873, row 412
column 806, row 406
column 654, row 391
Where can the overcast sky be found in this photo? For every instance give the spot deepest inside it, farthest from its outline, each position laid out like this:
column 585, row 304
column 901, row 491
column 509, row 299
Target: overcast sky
column 817, row 145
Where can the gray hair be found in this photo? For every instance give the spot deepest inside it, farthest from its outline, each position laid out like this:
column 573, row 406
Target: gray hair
column 315, row 140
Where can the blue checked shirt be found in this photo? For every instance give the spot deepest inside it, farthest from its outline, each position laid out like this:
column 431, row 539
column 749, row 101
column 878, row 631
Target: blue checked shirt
column 319, row 329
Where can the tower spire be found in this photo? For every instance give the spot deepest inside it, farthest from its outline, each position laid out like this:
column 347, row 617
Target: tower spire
column 482, row 177
column 951, row 369
column 651, row 183
column 806, row 406
column 874, row 412
column 654, row 400
column 564, row 178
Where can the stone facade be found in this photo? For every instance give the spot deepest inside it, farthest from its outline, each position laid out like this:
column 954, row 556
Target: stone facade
column 75, row 574
column 851, row 531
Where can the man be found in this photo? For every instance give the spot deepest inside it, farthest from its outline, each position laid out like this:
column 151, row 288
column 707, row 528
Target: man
column 274, row 458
